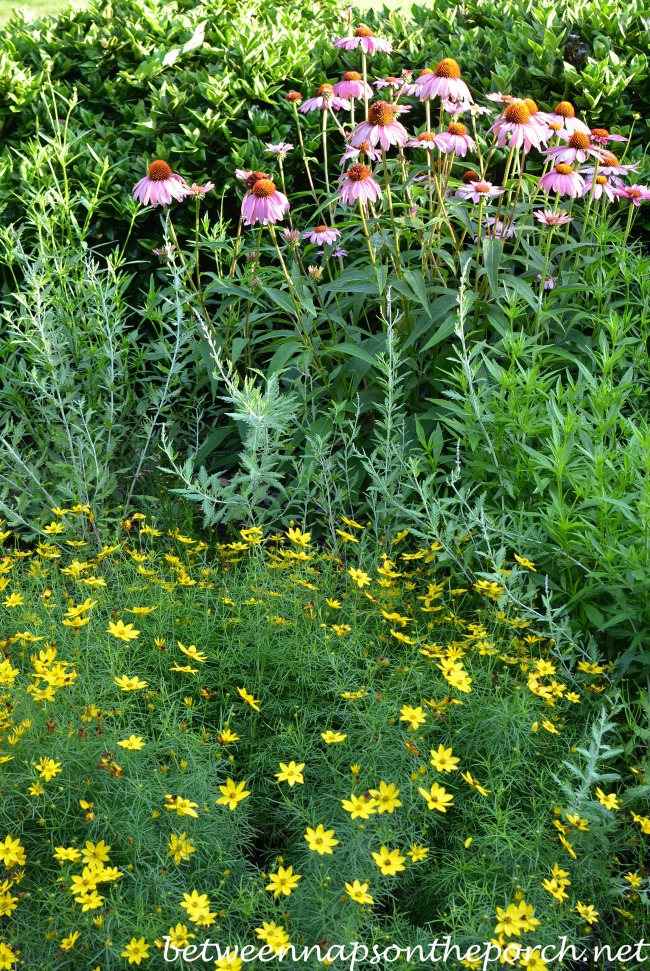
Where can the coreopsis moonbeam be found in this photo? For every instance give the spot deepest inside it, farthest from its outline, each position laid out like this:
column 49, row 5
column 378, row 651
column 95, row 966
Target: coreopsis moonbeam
column 563, row 180
column 136, row 951
column 358, row 892
column 380, row 128
column 445, row 82
column 291, row 773
column 352, row 85
column 390, row 862
column 437, row 797
column 233, row 794
column 321, row 840
column 264, row 204
column 364, row 38
column 357, row 184
column 284, row 881
column 160, row 185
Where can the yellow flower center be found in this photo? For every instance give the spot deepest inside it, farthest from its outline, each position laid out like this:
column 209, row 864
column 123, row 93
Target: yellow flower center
column 531, row 105
column 351, row 76
column 447, row 68
column 159, row 171
column 324, row 87
column 599, row 132
column 517, row 114
column 482, row 187
column 609, row 159
column 380, row 113
column 471, row 176
column 601, row 180
column 363, row 32
column 263, row 188
column 563, row 169
column 321, row 229
column 255, row 177
column 565, row 109
column 427, row 136
column 456, row 128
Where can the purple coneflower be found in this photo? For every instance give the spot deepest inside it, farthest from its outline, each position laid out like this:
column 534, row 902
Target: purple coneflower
column 601, row 185
column 495, row 229
column 610, row 165
column 200, row 190
column 339, row 252
column 635, row 193
column 414, row 88
column 364, row 38
column 445, row 82
column 352, row 85
column 550, row 218
column 549, row 281
column 517, row 127
column 381, row 128
column 372, row 154
column 389, row 82
column 563, row 180
column 160, row 185
column 497, row 96
column 358, row 183
column 476, row 191
column 281, row 149
column 426, row 139
column 250, row 177
column 565, row 115
column 325, row 98
column 263, row 204
column 456, row 140
column 601, row 136
column 578, row 148
column 322, row 234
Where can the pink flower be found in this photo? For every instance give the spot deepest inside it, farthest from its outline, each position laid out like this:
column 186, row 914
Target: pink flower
column 496, row 230
column 413, row 88
column 563, row 180
column 325, row 98
column 445, row 82
column 381, row 128
column 497, row 96
column 358, row 183
column 601, row 185
column 322, row 234
column 160, row 185
column 364, row 38
column 282, row 149
column 389, row 82
column 516, row 125
column 601, row 136
column 549, row 281
column 578, row 148
column 478, row 190
column 550, row 218
column 200, row 190
column 456, row 140
column 565, row 115
column 372, row 154
column 263, row 204
column 339, row 252
column 352, row 86
column 635, row 193
column 250, row 177
column 610, row 165
column 428, row 140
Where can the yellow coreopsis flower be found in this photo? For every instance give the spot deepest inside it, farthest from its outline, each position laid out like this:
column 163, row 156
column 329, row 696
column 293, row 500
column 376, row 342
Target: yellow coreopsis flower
column 467, row 776
column 609, row 800
column 444, row 760
column 182, row 807
column 249, row 699
column 587, row 912
column 291, row 773
column 359, row 892
column 134, row 743
column 48, row 768
column 130, row 684
column 124, row 632
column 284, row 881
column 331, row 738
column 233, row 794
column 180, row 848
column 320, row 840
column 390, row 862
column 414, row 716
column 360, row 578
column 437, row 798
column 359, row 807
column 386, row 797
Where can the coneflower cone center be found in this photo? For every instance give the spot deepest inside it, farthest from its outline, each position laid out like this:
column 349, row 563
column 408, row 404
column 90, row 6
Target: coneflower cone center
column 566, row 109
column 158, row 171
column 324, row 89
column 447, row 68
column 471, row 176
column 531, row 105
column 482, row 187
column 609, row 159
column 391, row 79
column 633, row 193
column 263, row 188
column 321, row 229
column 579, row 140
column 562, row 169
column 456, row 128
column 358, row 173
column 599, row 132
column 425, row 72
column 517, row 114
column 363, row 32
column 255, row 177
column 427, row 136
column 351, row 76
column 380, row 113
column 601, row 180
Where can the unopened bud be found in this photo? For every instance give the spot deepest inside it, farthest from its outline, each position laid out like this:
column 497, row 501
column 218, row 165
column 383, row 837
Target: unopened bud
column 315, row 271
column 292, row 236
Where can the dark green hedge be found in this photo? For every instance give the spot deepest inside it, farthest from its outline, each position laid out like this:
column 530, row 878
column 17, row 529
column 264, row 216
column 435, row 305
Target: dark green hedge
column 201, row 86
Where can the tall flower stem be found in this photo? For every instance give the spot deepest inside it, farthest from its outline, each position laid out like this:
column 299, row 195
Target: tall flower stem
column 630, row 217
column 590, row 199
column 478, row 246
column 306, row 339
column 389, row 196
column 364, row 75
column 506, row 174
column 304, row 153
column 188, row 275
column 547, row 250
column 284, row 184
column 373, row 259
column 326, row 161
